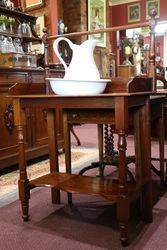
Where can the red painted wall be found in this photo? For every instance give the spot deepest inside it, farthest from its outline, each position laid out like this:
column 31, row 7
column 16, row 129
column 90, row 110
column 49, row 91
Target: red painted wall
column 120, row 12
column 54, row 18
column 119, row 16
column 160, row 40
column 16, row 2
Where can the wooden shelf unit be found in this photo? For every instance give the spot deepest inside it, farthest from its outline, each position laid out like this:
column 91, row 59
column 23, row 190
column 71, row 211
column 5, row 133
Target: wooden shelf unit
column 21, row 17
column 24, row 38
column 19, row 14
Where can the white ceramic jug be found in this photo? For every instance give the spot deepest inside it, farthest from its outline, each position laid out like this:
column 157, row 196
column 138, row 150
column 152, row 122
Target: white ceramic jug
column 82, row 65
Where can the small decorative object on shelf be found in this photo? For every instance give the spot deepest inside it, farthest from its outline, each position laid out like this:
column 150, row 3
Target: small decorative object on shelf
column 61, row 27
column 128, row 53
column 136, row 50
column 126, row 47
column 131, row 47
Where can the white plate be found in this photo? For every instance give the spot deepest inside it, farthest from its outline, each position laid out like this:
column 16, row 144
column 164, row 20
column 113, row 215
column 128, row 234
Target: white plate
column 77, row 87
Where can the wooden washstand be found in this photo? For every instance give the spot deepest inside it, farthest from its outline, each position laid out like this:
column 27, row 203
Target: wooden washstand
column 132, row 103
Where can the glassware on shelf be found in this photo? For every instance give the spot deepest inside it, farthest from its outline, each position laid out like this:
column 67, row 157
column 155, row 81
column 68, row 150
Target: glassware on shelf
column 11, row 21
column 28, row 29
column 4, row 44
column 19, row 30
column 11, row 47
column 29, row 49
column 1, row 23
column 18, row 46
column 24, row 29
column 3, row 20
column 1, row 43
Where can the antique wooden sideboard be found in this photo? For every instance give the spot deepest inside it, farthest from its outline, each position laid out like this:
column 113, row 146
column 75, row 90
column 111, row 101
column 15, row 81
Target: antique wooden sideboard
column 17, row 67
column 36, row 130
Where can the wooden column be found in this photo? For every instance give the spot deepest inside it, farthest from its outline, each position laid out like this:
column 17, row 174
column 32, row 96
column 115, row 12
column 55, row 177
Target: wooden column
column 46, row 58
column 152, row 69
column 54, row 20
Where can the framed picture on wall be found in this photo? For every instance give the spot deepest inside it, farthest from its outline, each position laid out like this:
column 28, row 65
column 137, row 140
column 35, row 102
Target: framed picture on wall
column 32, row 4
column 97, row 19
column 40, row 24
column 134, row 13
column 152, row 4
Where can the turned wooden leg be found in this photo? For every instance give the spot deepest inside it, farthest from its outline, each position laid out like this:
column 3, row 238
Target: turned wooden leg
column 24, row 195
column 24, row 191
column 123, row 213
column 100, row 145
column 123, row 205
column 53, row 151
column 121, row 124
column 67, row 149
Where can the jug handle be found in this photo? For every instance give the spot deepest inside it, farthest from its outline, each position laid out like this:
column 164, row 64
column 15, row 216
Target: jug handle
column 55, row 47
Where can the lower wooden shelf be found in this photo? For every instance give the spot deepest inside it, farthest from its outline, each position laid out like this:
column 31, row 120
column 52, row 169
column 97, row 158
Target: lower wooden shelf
column 83, row 184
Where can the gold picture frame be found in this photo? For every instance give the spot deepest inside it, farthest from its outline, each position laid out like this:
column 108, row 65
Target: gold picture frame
column 134, row 14
column 152, row 4
column 97, row 19
column 32, row 4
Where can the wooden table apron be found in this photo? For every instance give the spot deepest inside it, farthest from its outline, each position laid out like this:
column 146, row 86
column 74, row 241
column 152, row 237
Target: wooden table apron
column 107, row 108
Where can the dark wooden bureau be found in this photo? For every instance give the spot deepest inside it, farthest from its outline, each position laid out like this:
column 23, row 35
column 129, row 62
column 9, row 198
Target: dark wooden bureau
column 35, row 130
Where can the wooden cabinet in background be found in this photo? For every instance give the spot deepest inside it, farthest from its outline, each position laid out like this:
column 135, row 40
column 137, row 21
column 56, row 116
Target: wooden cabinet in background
column 36, row 125
column 36, row 136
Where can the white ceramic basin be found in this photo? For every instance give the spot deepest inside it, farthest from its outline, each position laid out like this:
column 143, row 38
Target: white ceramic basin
column 77, row 87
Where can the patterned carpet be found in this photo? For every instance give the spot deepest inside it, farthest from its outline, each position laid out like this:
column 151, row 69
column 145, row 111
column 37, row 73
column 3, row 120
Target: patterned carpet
column 80, row 156
column 89, row 224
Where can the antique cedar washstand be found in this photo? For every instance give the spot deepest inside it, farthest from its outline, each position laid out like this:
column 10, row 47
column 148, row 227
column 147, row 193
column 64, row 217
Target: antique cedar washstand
column 110, row 156
column 110, row 108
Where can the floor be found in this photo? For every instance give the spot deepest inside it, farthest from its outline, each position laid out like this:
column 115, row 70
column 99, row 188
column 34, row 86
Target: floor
column 89, row 225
